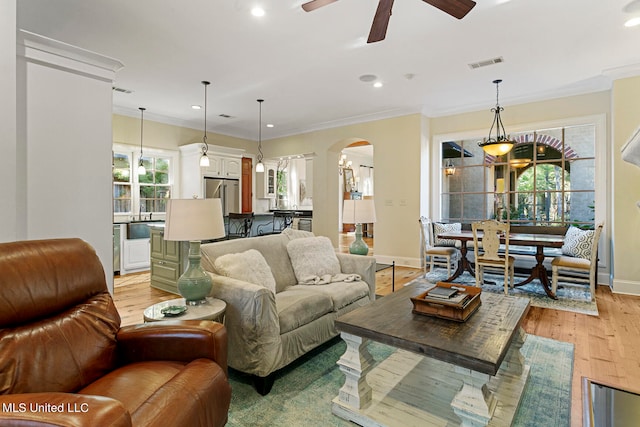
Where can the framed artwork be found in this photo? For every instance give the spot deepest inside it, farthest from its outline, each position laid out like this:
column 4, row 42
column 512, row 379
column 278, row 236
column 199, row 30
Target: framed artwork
column 347, row 175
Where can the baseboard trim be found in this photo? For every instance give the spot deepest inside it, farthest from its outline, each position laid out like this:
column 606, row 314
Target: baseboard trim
column 626, row 287
column 400, row 261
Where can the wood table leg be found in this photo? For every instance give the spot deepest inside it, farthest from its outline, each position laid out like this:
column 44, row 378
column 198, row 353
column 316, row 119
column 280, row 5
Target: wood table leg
column 474, row 403
column 355, row 363
column 539, row 272
column 463, row 264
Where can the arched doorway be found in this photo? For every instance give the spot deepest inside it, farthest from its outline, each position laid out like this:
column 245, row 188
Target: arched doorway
column 356, row 181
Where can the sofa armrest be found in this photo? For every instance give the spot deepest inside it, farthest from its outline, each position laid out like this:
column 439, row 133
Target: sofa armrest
column 62, row 409
column 365, row 266
column 252, row 322
column 180, row 340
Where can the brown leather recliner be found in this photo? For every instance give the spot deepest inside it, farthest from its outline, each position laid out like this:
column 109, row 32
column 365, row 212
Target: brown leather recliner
column 65, row 361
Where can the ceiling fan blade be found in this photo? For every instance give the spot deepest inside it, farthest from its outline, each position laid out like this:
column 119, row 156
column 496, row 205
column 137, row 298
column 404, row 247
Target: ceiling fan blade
column 456, row 8
column 380, row 21
column 316, row 4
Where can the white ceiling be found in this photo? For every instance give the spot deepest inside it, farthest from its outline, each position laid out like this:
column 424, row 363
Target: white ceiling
column 307, row 65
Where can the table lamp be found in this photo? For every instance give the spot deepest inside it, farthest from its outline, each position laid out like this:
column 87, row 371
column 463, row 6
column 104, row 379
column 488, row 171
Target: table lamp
column 359, row 212
column 194, row 220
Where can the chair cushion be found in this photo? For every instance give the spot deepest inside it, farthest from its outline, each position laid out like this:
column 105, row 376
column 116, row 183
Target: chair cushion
column 249, row 266
column 313, row 257
column 571, row 262
column 441, row 251
column 298, row 306
column 577, row 242
column 168, row 393
column 439, row 228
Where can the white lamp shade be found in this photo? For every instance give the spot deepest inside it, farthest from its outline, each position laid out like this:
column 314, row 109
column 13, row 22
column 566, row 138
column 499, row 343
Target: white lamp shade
column 194, row 219
column 361, row 211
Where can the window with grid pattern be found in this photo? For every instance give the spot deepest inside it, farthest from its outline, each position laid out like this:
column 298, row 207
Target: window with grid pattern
column 548, row 178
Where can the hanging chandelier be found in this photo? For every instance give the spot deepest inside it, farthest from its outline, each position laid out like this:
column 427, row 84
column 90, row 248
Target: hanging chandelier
column 260, row 165
column 500, row 144
column 141, row 169
column 204, row 160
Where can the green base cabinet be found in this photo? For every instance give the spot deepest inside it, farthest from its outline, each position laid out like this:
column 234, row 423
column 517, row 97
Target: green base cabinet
column 169, row 259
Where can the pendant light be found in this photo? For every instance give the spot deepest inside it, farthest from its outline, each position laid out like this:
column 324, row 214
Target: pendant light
column 204, row 160
column 500, row 144
column 141, row 169
column 260, row 165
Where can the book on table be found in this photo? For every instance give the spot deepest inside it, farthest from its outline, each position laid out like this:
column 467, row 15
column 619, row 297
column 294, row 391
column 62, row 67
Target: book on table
column 447, row 295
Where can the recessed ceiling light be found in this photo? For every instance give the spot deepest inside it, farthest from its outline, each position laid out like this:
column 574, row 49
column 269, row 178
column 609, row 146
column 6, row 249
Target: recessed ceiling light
column 633, row 22
column 269, row 125
column 367, row 78
column 196, row 107
column 257, row 11
column 377, row 84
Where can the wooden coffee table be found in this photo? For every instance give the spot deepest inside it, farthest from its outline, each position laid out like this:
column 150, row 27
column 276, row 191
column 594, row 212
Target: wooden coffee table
column 444, row 373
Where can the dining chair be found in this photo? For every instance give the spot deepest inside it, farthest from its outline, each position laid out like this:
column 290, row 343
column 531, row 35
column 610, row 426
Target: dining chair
column 579, row 259
column 437, row 255
column 240, row 225
column 486, row 245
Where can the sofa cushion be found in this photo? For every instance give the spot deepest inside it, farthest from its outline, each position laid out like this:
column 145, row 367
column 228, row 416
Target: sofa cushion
column 313, row 257
column 341, row 293
column 577, row 242
column 249, row 266
column 298, row 306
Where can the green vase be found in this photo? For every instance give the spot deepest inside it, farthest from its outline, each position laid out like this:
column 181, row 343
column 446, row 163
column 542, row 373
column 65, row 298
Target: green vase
column 359, row 247
column 195, row 284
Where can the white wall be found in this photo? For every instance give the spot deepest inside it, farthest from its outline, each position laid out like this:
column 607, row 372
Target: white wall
column 64, row 99
column 8, row 189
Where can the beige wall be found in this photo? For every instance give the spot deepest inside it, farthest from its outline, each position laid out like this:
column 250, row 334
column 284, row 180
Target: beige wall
column 626, row 188
column 126, row 130
column 396, row 157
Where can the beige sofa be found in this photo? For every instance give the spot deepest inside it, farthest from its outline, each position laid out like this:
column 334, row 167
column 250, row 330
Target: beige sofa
column 267, row 330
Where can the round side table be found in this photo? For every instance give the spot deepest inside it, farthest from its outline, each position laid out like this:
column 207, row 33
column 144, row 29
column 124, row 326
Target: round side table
column 213, row 309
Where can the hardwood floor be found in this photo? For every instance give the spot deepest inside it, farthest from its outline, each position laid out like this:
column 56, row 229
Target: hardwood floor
column 607, row 347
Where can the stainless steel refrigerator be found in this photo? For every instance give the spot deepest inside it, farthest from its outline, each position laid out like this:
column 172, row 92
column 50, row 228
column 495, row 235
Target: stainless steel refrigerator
column 226, row 189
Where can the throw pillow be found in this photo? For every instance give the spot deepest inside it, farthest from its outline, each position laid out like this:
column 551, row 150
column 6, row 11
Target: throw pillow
column 438, row 228
column 577, row 242
column 296, row 234
column 312, row 257
column 249, row 266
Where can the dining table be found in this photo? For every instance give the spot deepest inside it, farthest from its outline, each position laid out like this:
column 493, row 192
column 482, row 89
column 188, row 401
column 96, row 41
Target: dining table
column 540, row 241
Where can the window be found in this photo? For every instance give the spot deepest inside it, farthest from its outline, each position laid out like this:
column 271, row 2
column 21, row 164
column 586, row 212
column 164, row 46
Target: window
column 121, row 183
column 154, row 185
column 135, row 194
column 548, row 178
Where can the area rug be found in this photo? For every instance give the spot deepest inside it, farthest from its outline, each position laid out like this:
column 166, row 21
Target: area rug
column 571, row 296
column 302, row 392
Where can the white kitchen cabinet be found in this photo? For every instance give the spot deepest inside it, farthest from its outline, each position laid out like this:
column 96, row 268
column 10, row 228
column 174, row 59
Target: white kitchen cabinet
column 136, row 255
column 266, row 182
column 224, row 162
column 232, row 168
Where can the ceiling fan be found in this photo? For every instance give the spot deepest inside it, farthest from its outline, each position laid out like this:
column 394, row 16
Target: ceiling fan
column 456, row 8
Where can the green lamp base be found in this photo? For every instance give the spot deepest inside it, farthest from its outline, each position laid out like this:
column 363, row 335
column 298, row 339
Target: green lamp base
column 195, row 284
column 359, row 247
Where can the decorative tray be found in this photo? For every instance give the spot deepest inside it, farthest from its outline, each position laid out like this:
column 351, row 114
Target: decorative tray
column 459, row 308
column 174, row 310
